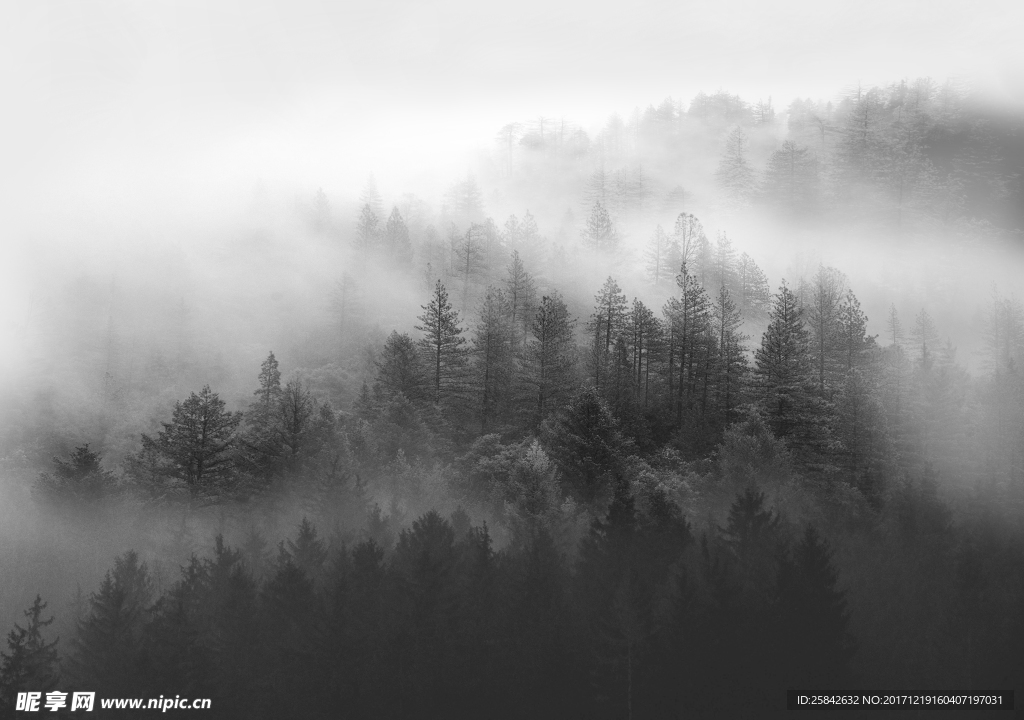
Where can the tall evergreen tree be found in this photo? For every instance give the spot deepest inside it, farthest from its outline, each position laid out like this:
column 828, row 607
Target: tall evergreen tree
column 663, row 257
column 732, row 360
column 521, row 299
column 31, row 664
column 396, row 241
column 552, row 353
column 108, row 643
column 734, row 172
column 606, row 324
column 790, row 180
column 818, row 645
column 442, row 345
column 398, row 367
column 600, row 234
column 493, row 354
column 784, row 374
column 368, row 233
column 754, row 296
column 197, row 444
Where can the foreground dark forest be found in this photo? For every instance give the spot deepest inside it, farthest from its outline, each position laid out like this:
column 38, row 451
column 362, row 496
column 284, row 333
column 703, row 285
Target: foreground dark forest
column 559, row 501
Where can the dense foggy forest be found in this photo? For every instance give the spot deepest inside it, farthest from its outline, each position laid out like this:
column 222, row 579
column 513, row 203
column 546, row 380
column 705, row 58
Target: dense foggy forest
column 652, row 419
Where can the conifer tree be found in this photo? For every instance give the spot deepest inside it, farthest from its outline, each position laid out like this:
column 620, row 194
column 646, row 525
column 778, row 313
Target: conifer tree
column 663, row 257
column 31, row 664
column 368, row 233
column 398, row 367
column 307, row 551
column 261, row 435
column 824, row 307
column 814, row 617
column 396, row 240
column 585, row 441
column 732, row 360
column 552, row 352
column 493, row 344
column 107, row 644
column 76, row 481
column 442, row 345
column 298, row 411
column 754, row 295
column 197, row 443
column 471, row 261
column 734, row 172
column 600, row 234
column 645, row 334
column 521, row 299
column 688, row 234
column 790, row 180
column 722, row 270
column 783, row 371
column 606, row 324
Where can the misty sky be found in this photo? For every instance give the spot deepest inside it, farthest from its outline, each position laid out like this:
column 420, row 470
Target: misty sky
column 118, row 113
column 108, row 95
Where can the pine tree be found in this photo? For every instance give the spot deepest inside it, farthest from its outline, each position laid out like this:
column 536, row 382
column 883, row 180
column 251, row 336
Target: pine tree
column 31, row 664
column 107, row 645
column 371, row 198
column 734, row 172
column 307, row 551
column 198, row 442
column 790, row 180
column 442, row 345
column 77, row 481
column 663, row 257
column 298, row 411
column 585, row 442
column 754, row 295
column 493, row 343
column 784, row 372
column 600, row 234
column 818, row 647
column 521, row 297
column 722, row 270
column 261, row 437
column 732, row 360
column 552, row 352
column 688, row 234
column 471, row 261
column 925, row 338
column 396, row 241
column 645, row 334
column 398, row 367
column 368, row 232
column 606, row 324
column 824, row 308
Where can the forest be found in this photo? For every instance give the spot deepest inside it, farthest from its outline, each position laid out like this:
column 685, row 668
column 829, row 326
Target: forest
column 582, row 438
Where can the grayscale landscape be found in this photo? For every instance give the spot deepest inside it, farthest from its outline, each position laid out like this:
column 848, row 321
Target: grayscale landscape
column 408, row 360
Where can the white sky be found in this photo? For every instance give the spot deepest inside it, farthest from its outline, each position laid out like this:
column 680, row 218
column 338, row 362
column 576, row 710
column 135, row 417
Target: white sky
column 111, row 98
column 116, row 113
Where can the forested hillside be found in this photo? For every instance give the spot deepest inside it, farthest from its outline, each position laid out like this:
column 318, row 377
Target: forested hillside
column 561, row 443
